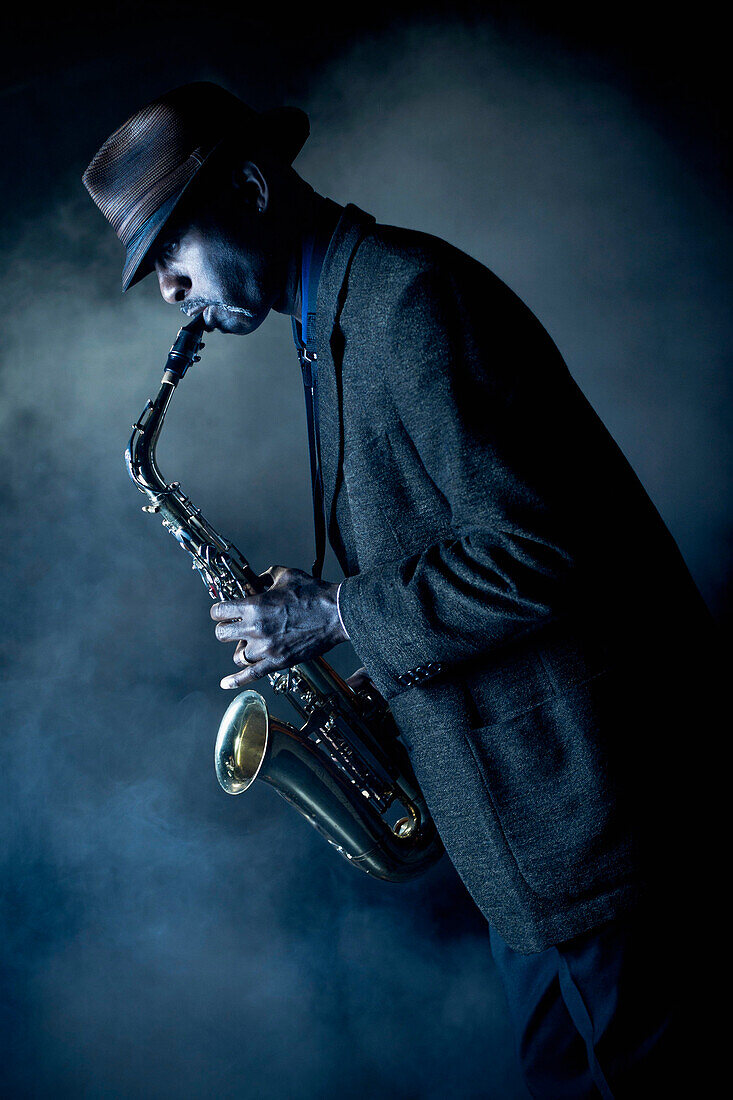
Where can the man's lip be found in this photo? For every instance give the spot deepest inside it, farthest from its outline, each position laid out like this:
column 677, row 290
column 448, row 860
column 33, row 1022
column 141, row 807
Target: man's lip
column 196, row 313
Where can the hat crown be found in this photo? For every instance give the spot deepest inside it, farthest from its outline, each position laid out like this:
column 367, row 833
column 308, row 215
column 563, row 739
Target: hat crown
column 145, row 156
column 147, row 163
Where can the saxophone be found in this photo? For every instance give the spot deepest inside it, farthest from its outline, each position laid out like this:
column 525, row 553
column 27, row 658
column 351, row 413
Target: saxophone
column 344, row 767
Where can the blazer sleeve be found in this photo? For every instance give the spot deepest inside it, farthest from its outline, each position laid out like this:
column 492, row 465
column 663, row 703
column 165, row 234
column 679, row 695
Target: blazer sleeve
column 467, row 368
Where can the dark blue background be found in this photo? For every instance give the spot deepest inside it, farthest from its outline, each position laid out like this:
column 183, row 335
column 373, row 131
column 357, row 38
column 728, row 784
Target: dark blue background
column 160, row 939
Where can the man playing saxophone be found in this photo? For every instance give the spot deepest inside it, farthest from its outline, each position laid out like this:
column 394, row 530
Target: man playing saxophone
column 510, row 588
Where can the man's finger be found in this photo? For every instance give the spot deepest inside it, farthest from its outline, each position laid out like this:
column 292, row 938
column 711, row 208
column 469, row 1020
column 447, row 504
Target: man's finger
column 358, row 679
column 238, row 629
column 251, row 673
column 224, row 610
column 276, row 572
column 252, row 652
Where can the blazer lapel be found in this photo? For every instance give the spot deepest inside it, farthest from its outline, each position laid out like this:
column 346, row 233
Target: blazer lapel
column 327, row 345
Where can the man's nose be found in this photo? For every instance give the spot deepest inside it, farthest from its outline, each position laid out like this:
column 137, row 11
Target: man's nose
column 174, row 287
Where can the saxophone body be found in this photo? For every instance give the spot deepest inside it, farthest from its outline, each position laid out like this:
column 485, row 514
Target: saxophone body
column 343, row 765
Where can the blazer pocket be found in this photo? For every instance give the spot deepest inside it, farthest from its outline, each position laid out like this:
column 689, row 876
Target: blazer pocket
column 553, row 774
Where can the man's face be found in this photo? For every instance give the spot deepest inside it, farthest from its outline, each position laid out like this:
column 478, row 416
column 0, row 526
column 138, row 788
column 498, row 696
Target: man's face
column 220, row 257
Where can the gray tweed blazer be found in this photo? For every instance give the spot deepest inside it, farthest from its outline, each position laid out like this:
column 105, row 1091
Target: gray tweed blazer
column 509, row 586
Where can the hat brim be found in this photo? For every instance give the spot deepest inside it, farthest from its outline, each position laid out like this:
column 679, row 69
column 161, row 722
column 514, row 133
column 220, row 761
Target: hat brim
column 138, row 263
column 293, row 127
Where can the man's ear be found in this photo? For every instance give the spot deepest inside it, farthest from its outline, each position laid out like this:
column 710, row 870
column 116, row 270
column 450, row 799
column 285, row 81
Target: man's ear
column 248, row 179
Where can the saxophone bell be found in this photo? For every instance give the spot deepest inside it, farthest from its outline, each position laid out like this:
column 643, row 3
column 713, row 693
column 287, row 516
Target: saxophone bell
column 242, row 743
column 252, row 745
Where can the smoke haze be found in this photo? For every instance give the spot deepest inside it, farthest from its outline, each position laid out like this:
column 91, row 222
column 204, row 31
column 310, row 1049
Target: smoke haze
column 161, row 939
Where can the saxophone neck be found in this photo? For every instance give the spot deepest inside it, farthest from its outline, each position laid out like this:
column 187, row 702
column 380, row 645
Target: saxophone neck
column 140, row 453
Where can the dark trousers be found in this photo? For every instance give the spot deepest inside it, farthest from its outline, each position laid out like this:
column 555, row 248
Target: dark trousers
column 593, row 1017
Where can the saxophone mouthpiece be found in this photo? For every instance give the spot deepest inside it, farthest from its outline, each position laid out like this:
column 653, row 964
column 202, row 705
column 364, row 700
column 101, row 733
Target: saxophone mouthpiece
column 184, row 352
column 197, row 326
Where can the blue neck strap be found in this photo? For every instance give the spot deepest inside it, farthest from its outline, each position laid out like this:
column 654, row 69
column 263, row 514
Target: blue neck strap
column 314, row 253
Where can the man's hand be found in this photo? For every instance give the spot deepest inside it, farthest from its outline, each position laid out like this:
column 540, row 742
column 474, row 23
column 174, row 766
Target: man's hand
column 295, row 619
column 370, row 699
column 360, row 681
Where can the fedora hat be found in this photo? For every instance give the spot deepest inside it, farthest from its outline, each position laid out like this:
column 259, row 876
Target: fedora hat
column 142, row 170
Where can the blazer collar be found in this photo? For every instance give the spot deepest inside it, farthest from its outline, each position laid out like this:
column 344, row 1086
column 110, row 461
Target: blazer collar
column 351, row 227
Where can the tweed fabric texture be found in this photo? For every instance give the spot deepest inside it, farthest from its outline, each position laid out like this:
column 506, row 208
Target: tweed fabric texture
column 491, row 531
